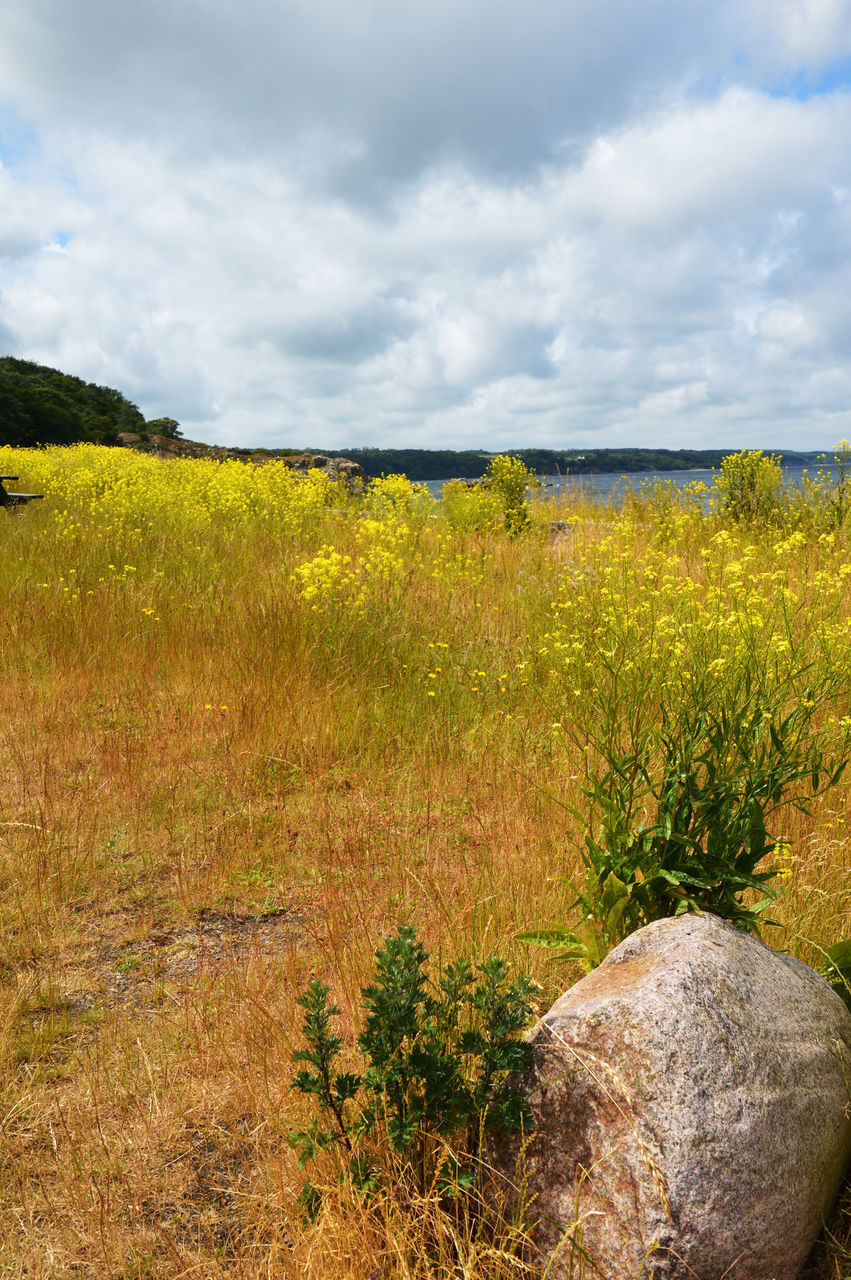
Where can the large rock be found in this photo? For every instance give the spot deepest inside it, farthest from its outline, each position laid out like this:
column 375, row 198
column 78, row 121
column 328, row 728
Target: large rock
column 691, row 1108
column 337, row 468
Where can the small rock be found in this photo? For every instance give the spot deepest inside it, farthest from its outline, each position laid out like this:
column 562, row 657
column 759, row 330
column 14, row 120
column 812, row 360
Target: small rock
column 691, row 1106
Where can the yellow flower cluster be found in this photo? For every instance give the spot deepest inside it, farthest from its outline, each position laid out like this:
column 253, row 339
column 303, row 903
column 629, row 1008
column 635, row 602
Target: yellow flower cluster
column 629, row 614
column 383, row 542
column 641, row 609
column 120, row 489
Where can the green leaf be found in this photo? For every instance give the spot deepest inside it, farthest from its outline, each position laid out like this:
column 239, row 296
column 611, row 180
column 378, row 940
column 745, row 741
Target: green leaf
column 615, row 916
column 839, row 956
column 310, row 1201
column 555, row 936
column 614, row 890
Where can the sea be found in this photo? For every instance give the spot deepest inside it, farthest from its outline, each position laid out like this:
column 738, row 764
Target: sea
column 610, row 487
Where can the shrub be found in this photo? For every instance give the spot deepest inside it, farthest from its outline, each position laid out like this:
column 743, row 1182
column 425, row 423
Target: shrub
column 667, row 509
column 168, row 427
column 470, row 508
column 509, row 478
column 750, row 486
column 678, row 815
column 438, row 1062
column 397, row 495
column 841, row 494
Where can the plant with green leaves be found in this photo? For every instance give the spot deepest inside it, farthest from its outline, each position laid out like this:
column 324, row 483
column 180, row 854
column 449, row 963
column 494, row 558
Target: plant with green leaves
column 841, row 490
column 509, row 478
column 750, row 487
column 439, row 1060
column 819, row 503
column 835, row 967
column 470, row 508
column 679, row 817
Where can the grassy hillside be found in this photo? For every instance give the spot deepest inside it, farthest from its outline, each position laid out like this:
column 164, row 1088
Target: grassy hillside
column 251, row 721
column 39, row 405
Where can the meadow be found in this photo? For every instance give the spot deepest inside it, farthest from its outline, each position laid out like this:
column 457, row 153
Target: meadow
column 252, row 721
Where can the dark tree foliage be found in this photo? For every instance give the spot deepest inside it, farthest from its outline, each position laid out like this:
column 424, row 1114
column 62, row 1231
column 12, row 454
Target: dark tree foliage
column 448, row 464
column 168, row 427
column 39, row 405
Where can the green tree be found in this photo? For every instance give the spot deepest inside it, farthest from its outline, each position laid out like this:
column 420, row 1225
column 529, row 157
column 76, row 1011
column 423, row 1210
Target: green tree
column 163, row 427
column 39, row 405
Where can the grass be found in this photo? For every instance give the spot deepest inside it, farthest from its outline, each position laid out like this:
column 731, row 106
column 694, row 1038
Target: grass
column 233, row 760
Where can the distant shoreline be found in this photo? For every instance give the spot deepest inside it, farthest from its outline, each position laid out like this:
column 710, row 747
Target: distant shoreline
column 614, row 485
column 450, row 464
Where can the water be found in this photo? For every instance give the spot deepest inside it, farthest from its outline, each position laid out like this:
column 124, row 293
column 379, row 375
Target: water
column 611, row 487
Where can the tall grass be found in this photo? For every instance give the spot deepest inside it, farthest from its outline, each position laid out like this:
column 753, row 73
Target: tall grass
column 250, row 722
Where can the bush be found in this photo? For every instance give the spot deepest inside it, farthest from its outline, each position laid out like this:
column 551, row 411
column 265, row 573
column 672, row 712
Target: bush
column 750, row 486
column 509, row 478
column 397, row 495
column 437, row 1077
column 168, row 427
column 841, row 493
column 668, row 509
column 470, row 508
column 679, row 812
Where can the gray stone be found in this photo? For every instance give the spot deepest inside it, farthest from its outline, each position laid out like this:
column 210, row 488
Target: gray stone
column 337, row 468
column 691, row 1103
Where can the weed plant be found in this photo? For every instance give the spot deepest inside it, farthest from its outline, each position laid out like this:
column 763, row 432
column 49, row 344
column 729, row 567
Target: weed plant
column 253, row 721
column 438, row 1077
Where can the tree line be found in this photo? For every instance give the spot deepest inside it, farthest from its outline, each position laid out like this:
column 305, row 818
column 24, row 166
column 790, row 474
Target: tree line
column 39, row 405
column 447, row 464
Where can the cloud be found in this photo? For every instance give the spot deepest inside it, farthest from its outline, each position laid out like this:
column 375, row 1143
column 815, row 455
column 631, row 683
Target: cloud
column 453, row 224
column 377, row 89
column 799, row 35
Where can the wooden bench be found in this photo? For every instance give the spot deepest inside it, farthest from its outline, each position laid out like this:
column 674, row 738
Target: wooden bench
column 14, row 499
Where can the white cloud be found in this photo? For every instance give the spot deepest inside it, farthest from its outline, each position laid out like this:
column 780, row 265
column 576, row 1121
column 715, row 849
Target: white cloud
column 435, row 225
column 801, row 34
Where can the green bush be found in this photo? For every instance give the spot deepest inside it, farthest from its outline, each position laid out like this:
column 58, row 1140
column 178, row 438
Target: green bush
column 508, row 478
column 439, row 1056
column 840, row 496
column 667, row 508
column 471, row 508
column 678, row 817
column 819, row 503
column 750, row 487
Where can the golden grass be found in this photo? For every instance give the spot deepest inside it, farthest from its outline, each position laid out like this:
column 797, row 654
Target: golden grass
column 216, row 785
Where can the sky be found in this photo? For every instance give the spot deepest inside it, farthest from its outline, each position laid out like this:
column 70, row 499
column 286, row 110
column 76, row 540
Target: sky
column 443, row 224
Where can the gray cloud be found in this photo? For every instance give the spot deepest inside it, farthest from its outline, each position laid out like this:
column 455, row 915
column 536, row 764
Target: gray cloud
column 382, row 87
column 446, row 224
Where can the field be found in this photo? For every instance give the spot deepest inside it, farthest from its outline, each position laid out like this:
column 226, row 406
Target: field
column 251, row 722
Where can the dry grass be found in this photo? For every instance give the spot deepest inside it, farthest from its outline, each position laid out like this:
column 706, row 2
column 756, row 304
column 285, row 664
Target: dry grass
column 205, row 805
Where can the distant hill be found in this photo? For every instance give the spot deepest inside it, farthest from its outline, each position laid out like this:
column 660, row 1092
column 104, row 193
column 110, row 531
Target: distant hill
column 446, row 464
column 39, row 405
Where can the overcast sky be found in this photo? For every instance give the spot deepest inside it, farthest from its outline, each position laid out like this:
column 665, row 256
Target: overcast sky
column 436, row 223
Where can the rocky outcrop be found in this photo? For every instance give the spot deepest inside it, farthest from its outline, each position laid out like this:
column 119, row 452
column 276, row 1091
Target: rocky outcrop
column 175, row 447
column 691, row 1105
column 337, row 468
